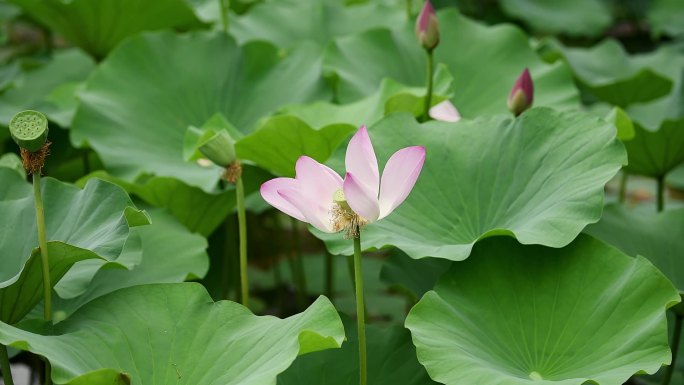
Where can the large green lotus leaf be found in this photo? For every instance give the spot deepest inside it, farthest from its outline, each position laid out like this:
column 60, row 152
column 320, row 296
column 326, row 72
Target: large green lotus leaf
column 361, row 61
column 281, row 140
column 50, row 88
column 170, row 253
column 94, row 220
column 678, row 375
column 656, row 237
column 675, row 179
column 97, row 26
column 17, row 299
column 90, row 224
column 484, row 61
column 198, row 210
column 657, row 147
column 666, row 17
column 539, row 178
column 9, row 72
column 288, row 22
column 611, row 75
column 587, row 18
column 13, row 162
column 513, row 314
column 76, row 280
column 175, row 334
column 651, row 115
column 655, row 153
column 390, row 97
column 391, row 360
column 137, row 126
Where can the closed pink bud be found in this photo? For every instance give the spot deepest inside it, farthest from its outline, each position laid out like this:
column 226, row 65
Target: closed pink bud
column 522, row 94
column 427, row 27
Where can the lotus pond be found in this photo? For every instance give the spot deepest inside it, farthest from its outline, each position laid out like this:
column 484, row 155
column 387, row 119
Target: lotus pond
column 341, row 192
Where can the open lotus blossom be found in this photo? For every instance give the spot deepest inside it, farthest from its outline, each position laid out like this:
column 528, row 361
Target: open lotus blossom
column 319, row 196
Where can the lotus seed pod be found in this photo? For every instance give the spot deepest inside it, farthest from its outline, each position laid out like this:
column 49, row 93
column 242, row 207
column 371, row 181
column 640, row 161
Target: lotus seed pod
column 29, row 129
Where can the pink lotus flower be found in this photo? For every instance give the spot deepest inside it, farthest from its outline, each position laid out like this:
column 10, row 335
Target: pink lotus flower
column 427, row 27
column 522, row 94
column 319, row 196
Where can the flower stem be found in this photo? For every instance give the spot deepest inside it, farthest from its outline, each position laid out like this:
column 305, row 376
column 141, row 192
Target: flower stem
column 675, row 348
column 360, row 311
column 5, row 366
column 428, row 94
column 225, row 6
column 661, row 193
column 409, row 9
column 623, row 187
column 42, row 242
column 242, row 231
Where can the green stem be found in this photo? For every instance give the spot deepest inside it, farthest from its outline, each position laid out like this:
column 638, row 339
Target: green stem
column 242, row 230
column 623, row 187
column 661, row 193
column 350, row 266
column 428, row 94
column 675, row 348
column 409, row 9
column 329, row 275
column 5, row 366
column 360, row 310
column 42, row 242
column 225, row 6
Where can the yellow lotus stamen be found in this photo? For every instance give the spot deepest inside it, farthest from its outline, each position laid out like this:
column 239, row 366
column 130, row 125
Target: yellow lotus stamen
column 344, row 218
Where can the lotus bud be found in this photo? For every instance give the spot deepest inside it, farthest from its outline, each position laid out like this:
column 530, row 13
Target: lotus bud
column 218, row 147
column 29, row 129
column 427, row 27
column 522, row 94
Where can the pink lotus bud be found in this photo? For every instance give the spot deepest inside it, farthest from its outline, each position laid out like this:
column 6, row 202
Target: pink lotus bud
column 522, row 94
column 427, row 27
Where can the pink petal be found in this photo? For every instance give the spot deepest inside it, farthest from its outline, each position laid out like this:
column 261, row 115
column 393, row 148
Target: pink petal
column 314, row 213
column 361, row 161
column 525, row 84
column 269, row 191
column 445, row 112
column 317, row 180
column 424, row 17
column 399, row 177
column 360, row 199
